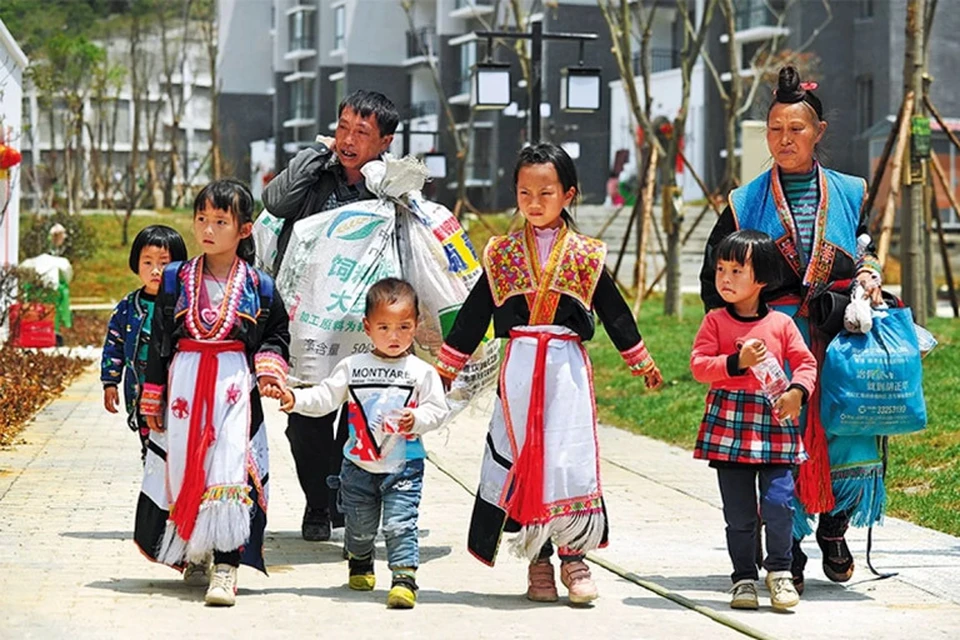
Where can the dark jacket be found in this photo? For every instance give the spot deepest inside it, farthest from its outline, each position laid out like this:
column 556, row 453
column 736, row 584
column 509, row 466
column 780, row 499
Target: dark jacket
column 302, row 189
column 124, row 335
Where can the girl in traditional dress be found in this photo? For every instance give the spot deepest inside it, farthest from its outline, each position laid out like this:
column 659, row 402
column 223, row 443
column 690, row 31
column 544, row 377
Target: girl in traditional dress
column 813, row 215
column 220, row 338
column 540, row 474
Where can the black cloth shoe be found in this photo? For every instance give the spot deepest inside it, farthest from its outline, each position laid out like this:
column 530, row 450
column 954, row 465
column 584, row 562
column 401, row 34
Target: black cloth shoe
column 316, row 525
column 797, row 566
column 837, row 559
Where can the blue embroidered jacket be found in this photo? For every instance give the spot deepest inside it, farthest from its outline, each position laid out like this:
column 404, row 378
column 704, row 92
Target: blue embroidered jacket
column 120, row 347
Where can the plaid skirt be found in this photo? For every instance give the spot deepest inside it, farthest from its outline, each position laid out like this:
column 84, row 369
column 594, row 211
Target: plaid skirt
column 739, row 426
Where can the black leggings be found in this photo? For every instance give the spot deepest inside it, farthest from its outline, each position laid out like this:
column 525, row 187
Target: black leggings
column 231, row 558
column 547, row 550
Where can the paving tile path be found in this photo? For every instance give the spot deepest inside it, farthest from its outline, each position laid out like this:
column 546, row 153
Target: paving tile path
column 68, row 567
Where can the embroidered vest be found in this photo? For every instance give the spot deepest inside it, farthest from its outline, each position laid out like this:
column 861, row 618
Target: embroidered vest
column 762, row 205
column 573, row 268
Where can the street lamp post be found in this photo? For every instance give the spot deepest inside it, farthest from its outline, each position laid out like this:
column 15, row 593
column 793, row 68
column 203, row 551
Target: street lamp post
column 574, row 81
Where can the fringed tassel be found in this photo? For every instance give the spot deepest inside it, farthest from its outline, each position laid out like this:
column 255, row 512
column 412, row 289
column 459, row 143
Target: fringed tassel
column 862, row 496
column 222, row 524
column 581, row 531
column 813, row 478
column 172, row 547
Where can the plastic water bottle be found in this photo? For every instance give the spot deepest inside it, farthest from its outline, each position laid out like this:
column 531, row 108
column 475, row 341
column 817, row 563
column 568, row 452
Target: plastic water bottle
column 773, row 380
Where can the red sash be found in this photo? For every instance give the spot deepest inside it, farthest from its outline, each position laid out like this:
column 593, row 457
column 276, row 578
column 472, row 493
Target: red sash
column 201, row 434
column 525, row 504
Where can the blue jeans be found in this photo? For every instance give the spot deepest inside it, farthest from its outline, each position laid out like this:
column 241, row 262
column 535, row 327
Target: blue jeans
column 361, row 495
column 738, row 488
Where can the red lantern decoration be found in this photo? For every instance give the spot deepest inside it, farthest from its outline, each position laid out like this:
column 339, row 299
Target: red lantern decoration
column 9, row 157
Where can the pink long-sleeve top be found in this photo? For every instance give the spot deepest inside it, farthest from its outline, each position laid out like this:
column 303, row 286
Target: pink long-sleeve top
column 716, row 349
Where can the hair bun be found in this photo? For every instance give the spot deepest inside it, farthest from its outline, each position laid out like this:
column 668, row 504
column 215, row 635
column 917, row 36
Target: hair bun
column 788, row 85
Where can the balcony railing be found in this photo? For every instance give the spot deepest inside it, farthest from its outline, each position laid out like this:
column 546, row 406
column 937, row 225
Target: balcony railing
column 755, row 14
column 464, row 82
column 423, row 108
column 302, row 42
column 302, row 111
column 422, row 42
column 460, row 4
column 660, row 60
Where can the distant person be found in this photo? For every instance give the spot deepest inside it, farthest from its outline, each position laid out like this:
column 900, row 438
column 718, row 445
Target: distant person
column 744, row 434
column 55, row 272
column 320, row 178
column 393, row 398
column 128, row 332
column 813, row 214
column 540, row 471
column 219, row 339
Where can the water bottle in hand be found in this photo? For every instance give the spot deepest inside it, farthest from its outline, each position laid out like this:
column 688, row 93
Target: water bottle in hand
column 773, row 380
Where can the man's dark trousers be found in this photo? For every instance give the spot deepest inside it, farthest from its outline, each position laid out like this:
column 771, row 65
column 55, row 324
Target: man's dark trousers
column 317, row 455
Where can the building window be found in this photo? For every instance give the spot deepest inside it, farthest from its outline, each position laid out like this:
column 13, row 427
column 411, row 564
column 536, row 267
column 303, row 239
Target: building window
column 479, row 166
column 301, row 31
column 301, row 99
column 339, row 88
column 339, row 27
column 864, row 103
column 468, row 58
column 866, row 9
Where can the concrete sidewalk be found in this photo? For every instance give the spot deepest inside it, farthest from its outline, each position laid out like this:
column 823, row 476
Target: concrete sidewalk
column 68, row 566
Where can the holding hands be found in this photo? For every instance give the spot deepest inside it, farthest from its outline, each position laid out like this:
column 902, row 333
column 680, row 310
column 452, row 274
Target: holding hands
column 270, row 388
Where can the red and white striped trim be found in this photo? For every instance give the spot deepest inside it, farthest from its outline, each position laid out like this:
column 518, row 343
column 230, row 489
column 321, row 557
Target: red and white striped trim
column 450, row 361
column 151, row 399
column 270, row 364
column 638, row 359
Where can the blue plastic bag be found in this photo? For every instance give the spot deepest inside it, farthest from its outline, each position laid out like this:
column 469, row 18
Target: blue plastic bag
column 872, row 384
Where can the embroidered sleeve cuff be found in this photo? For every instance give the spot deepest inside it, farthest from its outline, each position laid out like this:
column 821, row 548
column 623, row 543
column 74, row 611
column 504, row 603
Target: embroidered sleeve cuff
column 270, row 364
column 450, row 362
column 638, row 359
column 803, row 392
column 151, row 399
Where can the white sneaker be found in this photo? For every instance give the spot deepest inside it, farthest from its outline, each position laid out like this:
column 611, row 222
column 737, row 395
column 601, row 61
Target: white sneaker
column 783, row 593
column 744, row 595
column 197, row 574
column 223, row 586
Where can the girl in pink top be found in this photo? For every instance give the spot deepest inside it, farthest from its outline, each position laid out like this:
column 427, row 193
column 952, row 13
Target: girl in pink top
column 744, row 434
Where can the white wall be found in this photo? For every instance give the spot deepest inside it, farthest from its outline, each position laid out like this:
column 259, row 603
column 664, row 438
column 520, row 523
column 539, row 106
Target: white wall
column 666, row 88
column 12, row 64
column 245, row 46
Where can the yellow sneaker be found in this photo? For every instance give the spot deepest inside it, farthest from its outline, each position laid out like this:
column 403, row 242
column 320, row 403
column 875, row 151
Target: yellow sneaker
column 362, row 577
column 403, row 593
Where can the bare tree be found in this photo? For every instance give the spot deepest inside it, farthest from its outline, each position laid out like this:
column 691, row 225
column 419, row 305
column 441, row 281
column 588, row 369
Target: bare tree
column 174, row 60
column 666, row 140
column 461, row 136
column 207, row 19
column 631, row 23
column 739, row 94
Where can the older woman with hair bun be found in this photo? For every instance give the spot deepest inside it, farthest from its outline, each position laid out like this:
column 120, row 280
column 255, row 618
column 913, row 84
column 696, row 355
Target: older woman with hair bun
column 814, row 215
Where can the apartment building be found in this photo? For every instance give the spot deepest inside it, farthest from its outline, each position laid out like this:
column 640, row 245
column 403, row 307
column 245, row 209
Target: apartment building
column 245, row 103
column 325, row 49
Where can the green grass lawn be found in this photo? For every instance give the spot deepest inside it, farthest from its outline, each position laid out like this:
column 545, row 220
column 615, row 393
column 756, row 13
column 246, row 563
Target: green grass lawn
column 106, row 275
column 924, row 469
